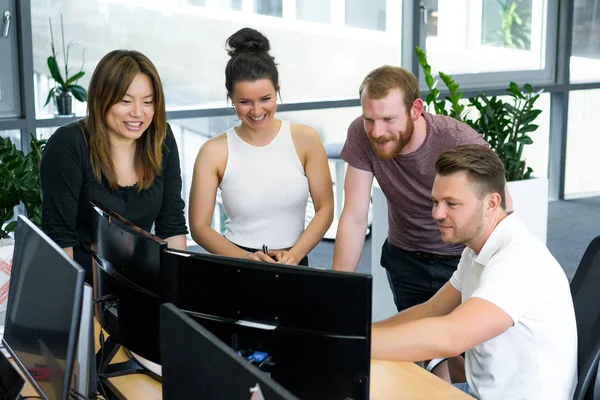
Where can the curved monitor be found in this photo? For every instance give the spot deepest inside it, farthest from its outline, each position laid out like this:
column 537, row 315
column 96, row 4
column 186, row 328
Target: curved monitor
column 127, row 262
column 44, row 309
column 133, row 253
column 315, row 325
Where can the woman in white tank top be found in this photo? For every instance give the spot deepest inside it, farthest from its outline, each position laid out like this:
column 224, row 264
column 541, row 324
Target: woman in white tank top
column 265, row 168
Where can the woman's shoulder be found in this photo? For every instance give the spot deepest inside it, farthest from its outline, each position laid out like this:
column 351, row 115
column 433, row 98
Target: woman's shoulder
column 71, row 136
column 305, row 135
column 214, row 149
column 216, row 143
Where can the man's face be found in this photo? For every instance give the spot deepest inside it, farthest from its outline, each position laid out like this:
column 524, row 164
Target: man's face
column 388, row 123
column 457, row 210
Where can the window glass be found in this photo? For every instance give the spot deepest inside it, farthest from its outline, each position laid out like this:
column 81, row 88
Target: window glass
column 313, row 10
column 583, row 142
column 186, row 44
column 466, row 36
column 585, row 56
column 369, row 14
column 269, row 7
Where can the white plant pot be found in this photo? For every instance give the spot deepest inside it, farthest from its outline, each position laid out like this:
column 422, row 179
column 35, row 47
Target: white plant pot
column 7, row 247
column 530, row 202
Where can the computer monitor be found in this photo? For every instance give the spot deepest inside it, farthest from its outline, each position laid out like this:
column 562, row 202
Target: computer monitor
column 84, row 369
column 314, row 324
column 196, row 364
column 43, row 312
column 127, row 282
column 133, row 253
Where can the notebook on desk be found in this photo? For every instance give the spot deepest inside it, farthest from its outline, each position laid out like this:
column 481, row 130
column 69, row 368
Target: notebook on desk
column 11, row 382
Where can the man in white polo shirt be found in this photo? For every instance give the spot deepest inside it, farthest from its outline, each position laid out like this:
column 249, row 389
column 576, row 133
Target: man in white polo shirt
column 508, row 306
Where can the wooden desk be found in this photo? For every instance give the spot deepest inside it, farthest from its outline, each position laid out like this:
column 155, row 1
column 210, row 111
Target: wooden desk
column 389, row 381
column 406, row 380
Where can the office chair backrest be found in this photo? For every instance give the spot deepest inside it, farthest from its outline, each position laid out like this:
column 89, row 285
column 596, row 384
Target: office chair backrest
column 585, row 289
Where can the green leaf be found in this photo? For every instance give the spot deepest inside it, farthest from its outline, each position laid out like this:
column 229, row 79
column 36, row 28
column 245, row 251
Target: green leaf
column 525, row 140
column 11, row 226
column 428, row 80
column 78, row 91
column 54, row 71
column 75, row 77
column 529, row 128
column 50, row 96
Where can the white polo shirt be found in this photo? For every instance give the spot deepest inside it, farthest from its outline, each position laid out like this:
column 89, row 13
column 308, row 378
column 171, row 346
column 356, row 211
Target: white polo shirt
column 537, row 357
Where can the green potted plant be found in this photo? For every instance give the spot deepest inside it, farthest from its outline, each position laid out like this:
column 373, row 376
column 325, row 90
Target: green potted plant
column 506, row 124
column 66, row 87
column 19, row 182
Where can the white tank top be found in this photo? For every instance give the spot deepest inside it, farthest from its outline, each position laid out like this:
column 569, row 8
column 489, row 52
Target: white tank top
column 264, row 192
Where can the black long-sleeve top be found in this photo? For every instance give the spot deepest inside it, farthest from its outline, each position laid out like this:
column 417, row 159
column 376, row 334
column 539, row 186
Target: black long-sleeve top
column 68, row 185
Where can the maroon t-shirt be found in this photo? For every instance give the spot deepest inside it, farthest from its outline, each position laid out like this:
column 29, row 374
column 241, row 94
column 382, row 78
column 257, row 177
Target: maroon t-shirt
column 407, row 180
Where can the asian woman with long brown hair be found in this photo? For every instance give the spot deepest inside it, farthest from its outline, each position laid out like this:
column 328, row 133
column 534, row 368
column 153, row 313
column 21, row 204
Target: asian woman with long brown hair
column 122, row 154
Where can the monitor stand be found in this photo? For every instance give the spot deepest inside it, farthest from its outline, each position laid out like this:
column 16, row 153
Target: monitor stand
column 134, row 365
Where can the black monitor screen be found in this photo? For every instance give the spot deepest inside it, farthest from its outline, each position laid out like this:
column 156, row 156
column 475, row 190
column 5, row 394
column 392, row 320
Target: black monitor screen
column 133, row 253
column 43, row 312
column 284, row 296
column 196, row 364
column 127, row 274
column 314, row 325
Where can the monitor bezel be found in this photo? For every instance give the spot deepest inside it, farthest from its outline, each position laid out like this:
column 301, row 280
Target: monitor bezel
column 123, row 223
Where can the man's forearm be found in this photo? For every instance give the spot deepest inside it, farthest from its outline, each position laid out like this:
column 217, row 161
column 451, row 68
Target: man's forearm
column 418, row 340
column 349, row 243
column 411, row 314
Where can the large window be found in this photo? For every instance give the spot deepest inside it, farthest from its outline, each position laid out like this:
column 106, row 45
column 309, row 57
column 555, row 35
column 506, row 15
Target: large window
column 585, row 57
column 314, row 10
column 486, row 36
column 269, row 7
column 366, row 14
column 186, row 43
column 583, row 142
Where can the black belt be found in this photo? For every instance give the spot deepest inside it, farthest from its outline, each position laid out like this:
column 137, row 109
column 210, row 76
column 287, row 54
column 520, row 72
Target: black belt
column 423, row 255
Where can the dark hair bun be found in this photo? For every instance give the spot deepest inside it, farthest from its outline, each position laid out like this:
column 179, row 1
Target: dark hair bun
column 247, row 39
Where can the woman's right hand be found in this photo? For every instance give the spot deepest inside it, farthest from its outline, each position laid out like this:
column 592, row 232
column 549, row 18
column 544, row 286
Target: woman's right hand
column 258, row 256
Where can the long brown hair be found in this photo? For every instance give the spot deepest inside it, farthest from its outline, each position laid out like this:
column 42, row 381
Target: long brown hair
column 110, row 81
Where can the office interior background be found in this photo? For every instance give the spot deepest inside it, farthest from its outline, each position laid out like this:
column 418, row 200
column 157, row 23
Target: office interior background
column 323, row 48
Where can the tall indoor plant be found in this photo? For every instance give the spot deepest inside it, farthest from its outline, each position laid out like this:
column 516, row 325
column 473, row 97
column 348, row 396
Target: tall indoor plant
column 66, row 87
column 506, row 125
column 19, row 183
